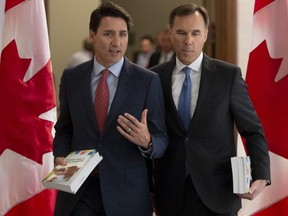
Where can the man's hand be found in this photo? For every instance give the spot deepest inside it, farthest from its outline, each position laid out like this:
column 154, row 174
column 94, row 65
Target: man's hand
column 133, row 130
column 60, row 161
column 256, row 188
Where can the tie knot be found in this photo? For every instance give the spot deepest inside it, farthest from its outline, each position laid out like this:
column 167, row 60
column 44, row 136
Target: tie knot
column 105, row 72
column 186, row 70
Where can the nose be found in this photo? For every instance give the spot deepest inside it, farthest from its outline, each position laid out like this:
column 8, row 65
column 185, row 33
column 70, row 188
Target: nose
column 188, row 40
column 116, row 40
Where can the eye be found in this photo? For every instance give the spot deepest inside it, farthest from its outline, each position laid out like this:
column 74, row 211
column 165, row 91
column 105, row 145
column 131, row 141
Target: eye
column 107, row 34
column 182, row 33
column 123, row 34
column 195, row 33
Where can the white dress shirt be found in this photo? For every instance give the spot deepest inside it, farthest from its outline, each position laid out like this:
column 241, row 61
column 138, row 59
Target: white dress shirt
column 178, row 78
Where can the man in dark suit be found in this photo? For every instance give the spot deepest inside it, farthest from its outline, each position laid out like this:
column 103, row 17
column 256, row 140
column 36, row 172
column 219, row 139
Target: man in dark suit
column 142, row 56
column 165, row 52
column 134, row 126
column 194, row 176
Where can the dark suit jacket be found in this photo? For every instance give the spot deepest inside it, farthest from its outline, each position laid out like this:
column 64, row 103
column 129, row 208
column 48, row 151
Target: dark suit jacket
column 123, row 174
column 209, row 143
column 155, row 58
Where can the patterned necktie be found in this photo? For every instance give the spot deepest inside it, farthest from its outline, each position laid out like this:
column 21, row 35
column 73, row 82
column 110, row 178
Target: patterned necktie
column 184, row 105
column 102, row 100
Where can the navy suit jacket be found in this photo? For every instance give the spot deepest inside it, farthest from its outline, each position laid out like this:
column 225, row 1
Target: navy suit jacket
column 155, row 58
column 123, row 174
column 208, row 145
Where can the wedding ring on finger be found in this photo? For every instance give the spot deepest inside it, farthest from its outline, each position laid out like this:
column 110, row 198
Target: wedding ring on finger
column 128, row 130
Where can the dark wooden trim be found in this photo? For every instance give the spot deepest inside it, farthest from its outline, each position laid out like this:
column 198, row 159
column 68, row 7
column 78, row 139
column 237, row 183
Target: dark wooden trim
column 222, row 44
column 47, row 11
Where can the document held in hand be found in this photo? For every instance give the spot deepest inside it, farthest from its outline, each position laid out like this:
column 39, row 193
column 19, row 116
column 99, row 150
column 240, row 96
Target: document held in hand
column 69, row 178
column 241, row 173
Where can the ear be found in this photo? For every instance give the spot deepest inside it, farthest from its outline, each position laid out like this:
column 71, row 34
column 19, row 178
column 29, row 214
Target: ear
column 91, row 36
column 206, row 35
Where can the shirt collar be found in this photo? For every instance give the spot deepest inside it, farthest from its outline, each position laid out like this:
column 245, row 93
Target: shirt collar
column 195, row 66
column 114, row 69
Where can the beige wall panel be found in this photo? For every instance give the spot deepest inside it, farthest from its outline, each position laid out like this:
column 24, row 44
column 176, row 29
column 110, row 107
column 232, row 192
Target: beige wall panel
column 68, row 26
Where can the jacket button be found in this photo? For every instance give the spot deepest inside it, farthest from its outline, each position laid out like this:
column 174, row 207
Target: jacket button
column 186, row 139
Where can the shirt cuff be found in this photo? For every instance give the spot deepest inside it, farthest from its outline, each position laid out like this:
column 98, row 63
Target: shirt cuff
column 146, row 152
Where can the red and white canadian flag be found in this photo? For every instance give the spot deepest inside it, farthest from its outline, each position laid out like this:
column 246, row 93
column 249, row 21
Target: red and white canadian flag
column 267, row 79
column 28, row 109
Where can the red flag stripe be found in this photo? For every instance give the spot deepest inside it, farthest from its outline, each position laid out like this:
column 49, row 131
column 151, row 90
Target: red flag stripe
column 12, row 3
column 259, row 4
column 267, row 81
column 279, row 208
column 29, row 106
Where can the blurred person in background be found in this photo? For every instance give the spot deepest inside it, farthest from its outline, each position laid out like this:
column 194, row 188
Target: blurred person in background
column 83, row 55
column 142, row 57
column 165, row 50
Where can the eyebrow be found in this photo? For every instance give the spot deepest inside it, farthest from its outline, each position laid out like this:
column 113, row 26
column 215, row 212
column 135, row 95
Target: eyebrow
column 110, row 30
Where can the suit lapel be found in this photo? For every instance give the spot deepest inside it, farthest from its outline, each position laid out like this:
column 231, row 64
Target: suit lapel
column 166, row 79
column 123, row 89
column 85, row 87
column 206, row 86
column 206, row 82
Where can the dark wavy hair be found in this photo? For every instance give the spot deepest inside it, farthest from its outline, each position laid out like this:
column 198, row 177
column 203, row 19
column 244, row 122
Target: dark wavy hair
column 187, row 9
column 110, row 9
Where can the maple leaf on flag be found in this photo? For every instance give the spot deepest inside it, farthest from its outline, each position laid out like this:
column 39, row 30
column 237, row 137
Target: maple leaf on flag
column 270, row 24
column 28, row 109
column 267, row 80
column 270, row 107
column 22, row 106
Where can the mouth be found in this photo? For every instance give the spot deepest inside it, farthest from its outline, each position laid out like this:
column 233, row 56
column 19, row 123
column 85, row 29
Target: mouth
column 114, row 51
column 187, row 51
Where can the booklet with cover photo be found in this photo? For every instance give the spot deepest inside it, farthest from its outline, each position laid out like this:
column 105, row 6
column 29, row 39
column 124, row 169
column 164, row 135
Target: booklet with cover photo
column 70, row 177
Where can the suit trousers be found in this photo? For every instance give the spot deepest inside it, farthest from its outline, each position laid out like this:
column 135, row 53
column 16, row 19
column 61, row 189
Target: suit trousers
column 90, row 203
column 193, row 206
